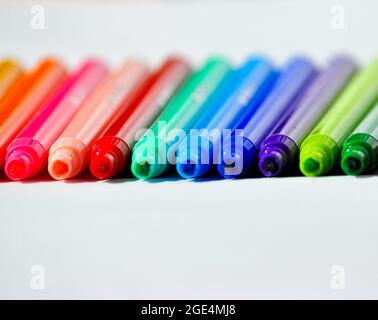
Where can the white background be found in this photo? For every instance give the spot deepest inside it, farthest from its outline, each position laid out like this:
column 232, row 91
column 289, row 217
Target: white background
column 251, row 238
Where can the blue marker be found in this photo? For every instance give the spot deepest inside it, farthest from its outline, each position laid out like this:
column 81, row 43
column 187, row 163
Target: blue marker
column 239, row 149
column 249, row 85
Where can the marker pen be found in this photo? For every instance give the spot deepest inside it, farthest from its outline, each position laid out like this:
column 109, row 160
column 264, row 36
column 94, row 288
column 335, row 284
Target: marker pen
column 360, row 149
column 36, row 88
column 153, row 154
column 319, row 152
column 14, row 95
column 240, row 148
column 27, row 155
column 10, row 73
column 280, row 150
column 113, row 151
column 69, row 155
column 249, row 86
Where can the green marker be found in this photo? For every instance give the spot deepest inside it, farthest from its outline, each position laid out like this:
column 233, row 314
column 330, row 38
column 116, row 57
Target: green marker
column 153, row 154
column 320, row 150
column 360, row 150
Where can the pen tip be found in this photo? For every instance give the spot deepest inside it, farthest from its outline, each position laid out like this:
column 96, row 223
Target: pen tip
column 311, row 165
column 60, row 168
column 353, row 165
column 103, row 166
column 270, row 167
column 141, row 170
column 19, row 168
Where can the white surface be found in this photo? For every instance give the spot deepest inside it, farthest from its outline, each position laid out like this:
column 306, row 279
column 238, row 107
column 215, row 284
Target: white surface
column 253, row 238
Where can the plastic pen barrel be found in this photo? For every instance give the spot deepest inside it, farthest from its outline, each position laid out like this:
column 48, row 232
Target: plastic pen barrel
column 36, row 88
column 280, row 150
column 112, row 152
column 360, row 149
column 320, row 150
column 10, row 73
column 247, row 88
column 155, row 152
column 70, row 154
column 27, row 155
column 240, row 148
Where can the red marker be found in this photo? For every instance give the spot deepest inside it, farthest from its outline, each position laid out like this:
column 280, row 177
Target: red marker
column 112, row 152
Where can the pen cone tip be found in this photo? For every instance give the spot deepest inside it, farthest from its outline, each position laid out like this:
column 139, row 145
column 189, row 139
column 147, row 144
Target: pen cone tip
column 64, row 165
column 19, row 168
column 104, row 166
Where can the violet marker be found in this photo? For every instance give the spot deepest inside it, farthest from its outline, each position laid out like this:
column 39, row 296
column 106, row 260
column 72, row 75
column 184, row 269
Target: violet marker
column 239, row 149
column 280, row 150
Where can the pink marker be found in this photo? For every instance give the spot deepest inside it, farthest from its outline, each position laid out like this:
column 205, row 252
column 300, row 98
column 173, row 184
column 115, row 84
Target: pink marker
column 27, row 155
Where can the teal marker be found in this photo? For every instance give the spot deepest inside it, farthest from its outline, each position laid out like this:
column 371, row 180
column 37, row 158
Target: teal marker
column 360, row 149
column 155, row 152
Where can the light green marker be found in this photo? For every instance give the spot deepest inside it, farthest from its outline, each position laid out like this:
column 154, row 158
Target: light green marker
column 360, row 150
column 153, row 154
column 320, row 151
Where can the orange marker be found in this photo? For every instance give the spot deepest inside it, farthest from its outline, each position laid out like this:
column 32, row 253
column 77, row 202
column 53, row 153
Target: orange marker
column 69, row 155
column 10, row 72
column 27, row 98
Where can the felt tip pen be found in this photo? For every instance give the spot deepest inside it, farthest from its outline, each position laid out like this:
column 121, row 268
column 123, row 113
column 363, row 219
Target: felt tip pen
column 27, row 155
column 155, row 152
column 239, row 149
column 360, row 149
column 69, row 155
column 320, row 151
column 10, row 73
column 112, row 152
column 35, row 89
column 14, row 95
column 249, row 86
column 280, row 150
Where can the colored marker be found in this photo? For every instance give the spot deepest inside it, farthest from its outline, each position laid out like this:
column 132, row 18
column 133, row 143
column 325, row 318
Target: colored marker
column 153, row 154
column 240, row 148
column 14, row 95
column 320, row 150
column 280, row 150
column 69, row 155
column 27, row 155
column 10, row 73
column 113, row 151
column 249, row 86
column 35, row 89
column 360, row 149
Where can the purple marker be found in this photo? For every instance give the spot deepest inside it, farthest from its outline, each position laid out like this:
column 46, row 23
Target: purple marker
column 239, row 149
column 280, row 150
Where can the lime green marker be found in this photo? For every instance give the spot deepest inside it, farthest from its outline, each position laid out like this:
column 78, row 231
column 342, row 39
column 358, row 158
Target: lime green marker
column 154, row 153
column 360, row 149
column 320, row 150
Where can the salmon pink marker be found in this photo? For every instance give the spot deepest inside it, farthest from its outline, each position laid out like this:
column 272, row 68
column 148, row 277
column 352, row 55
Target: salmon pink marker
column 112, row 152
column 69, row 155
column 27, row 155
column 33, row 92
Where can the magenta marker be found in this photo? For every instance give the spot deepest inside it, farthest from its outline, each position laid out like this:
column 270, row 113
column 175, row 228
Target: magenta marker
column 280, row 150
